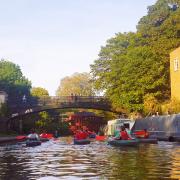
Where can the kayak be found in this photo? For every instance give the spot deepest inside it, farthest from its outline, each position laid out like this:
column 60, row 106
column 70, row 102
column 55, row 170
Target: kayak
column 101, row 138
column 45, row 135
column 81, row 141
column 33, row 143
column 148, row 140
column 119, row 143
column 21, row 138
column 44, row 139
column 92, row 136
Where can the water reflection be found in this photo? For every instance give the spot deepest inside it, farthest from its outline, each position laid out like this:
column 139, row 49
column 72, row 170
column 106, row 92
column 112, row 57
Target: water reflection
column 94, row 161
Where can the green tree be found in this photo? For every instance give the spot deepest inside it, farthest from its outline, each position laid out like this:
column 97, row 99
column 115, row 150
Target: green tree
column 39, row 92
column 13, row 82
column 78, row 83
column 132, row 65
column 3, row 110
column 151, row 105
column 44, row 122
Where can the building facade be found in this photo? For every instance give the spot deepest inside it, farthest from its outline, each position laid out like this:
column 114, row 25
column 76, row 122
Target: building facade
column 175, row 73
column 3, row 97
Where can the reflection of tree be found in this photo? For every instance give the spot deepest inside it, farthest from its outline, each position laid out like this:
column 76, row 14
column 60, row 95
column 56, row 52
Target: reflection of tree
column 145, row 162
column 13, row 167
column 175, row 164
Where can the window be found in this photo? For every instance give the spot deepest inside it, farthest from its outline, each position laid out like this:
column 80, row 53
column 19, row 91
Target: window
column 176, row 65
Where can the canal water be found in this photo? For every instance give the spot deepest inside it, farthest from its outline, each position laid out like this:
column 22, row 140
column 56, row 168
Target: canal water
column 63, row 160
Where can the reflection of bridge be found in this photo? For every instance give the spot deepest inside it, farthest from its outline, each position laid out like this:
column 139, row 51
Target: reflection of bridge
column 62, row 102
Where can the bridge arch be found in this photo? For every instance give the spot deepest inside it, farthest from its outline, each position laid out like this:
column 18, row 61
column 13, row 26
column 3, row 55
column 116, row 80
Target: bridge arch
column 54, row 103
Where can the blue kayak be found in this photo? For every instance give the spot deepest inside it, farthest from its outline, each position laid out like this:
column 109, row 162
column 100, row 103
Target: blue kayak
column 119, row 143
column 82, row 141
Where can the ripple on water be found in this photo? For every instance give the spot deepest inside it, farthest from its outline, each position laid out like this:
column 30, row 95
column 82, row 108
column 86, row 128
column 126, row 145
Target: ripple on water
column 94, row 161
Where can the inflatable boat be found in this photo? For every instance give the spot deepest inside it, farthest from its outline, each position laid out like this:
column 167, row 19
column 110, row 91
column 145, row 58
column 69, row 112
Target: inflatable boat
column 119, row 143
column 32, row 143
column 148, row 140
column 81, row 141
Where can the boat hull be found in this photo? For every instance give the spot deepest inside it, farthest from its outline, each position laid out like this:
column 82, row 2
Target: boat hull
column 120, row 143
column 44, row 139
column 148, row 140
column 82, row 141
column 33, row 143
column 92, row 136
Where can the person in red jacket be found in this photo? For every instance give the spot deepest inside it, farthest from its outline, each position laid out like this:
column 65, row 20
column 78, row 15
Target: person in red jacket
column 80, row 135
column 123, row 134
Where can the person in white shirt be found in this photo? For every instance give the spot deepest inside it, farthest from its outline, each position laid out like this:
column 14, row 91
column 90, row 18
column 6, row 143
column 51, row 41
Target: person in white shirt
column 33, row 136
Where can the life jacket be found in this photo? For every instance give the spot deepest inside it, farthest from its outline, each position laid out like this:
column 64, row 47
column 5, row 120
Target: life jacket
column 81, row 135
column 124, row 135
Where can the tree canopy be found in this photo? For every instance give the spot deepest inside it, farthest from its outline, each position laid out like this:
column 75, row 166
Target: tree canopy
column 39, row 92
column 13, row 82
column 134, row 65
column 78, row 83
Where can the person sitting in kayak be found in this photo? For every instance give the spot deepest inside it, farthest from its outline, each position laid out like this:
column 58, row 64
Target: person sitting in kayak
column 123, row 134
column 80, row 135
column 129, row 132
column 33, row 136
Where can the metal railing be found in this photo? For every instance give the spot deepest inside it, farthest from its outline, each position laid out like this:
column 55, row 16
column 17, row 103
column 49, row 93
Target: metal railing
column 59, row 100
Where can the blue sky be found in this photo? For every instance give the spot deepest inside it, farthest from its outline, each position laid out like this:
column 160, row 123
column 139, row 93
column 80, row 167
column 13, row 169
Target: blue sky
column 51, row 39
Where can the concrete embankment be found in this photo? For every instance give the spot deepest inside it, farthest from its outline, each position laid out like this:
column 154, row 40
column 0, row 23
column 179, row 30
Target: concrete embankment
column 9, row 139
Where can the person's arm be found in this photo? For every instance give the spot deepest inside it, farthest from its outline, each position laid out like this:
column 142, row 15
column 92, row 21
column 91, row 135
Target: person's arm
column 29, row 136
column 37, row 136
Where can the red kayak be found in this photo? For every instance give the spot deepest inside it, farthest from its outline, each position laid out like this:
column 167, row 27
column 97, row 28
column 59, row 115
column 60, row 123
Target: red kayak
column 21, row 138
column 45, row 135
column 101, row 138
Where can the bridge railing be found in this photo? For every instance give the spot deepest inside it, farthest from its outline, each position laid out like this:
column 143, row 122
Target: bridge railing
column 56, row 100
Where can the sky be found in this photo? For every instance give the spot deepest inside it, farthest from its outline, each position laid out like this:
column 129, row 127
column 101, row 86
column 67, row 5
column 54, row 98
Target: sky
column 52, row 39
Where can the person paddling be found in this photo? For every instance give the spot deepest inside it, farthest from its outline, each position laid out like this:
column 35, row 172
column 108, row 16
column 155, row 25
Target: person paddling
column 80, row 135
column 123, row 134
column 33, row 136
